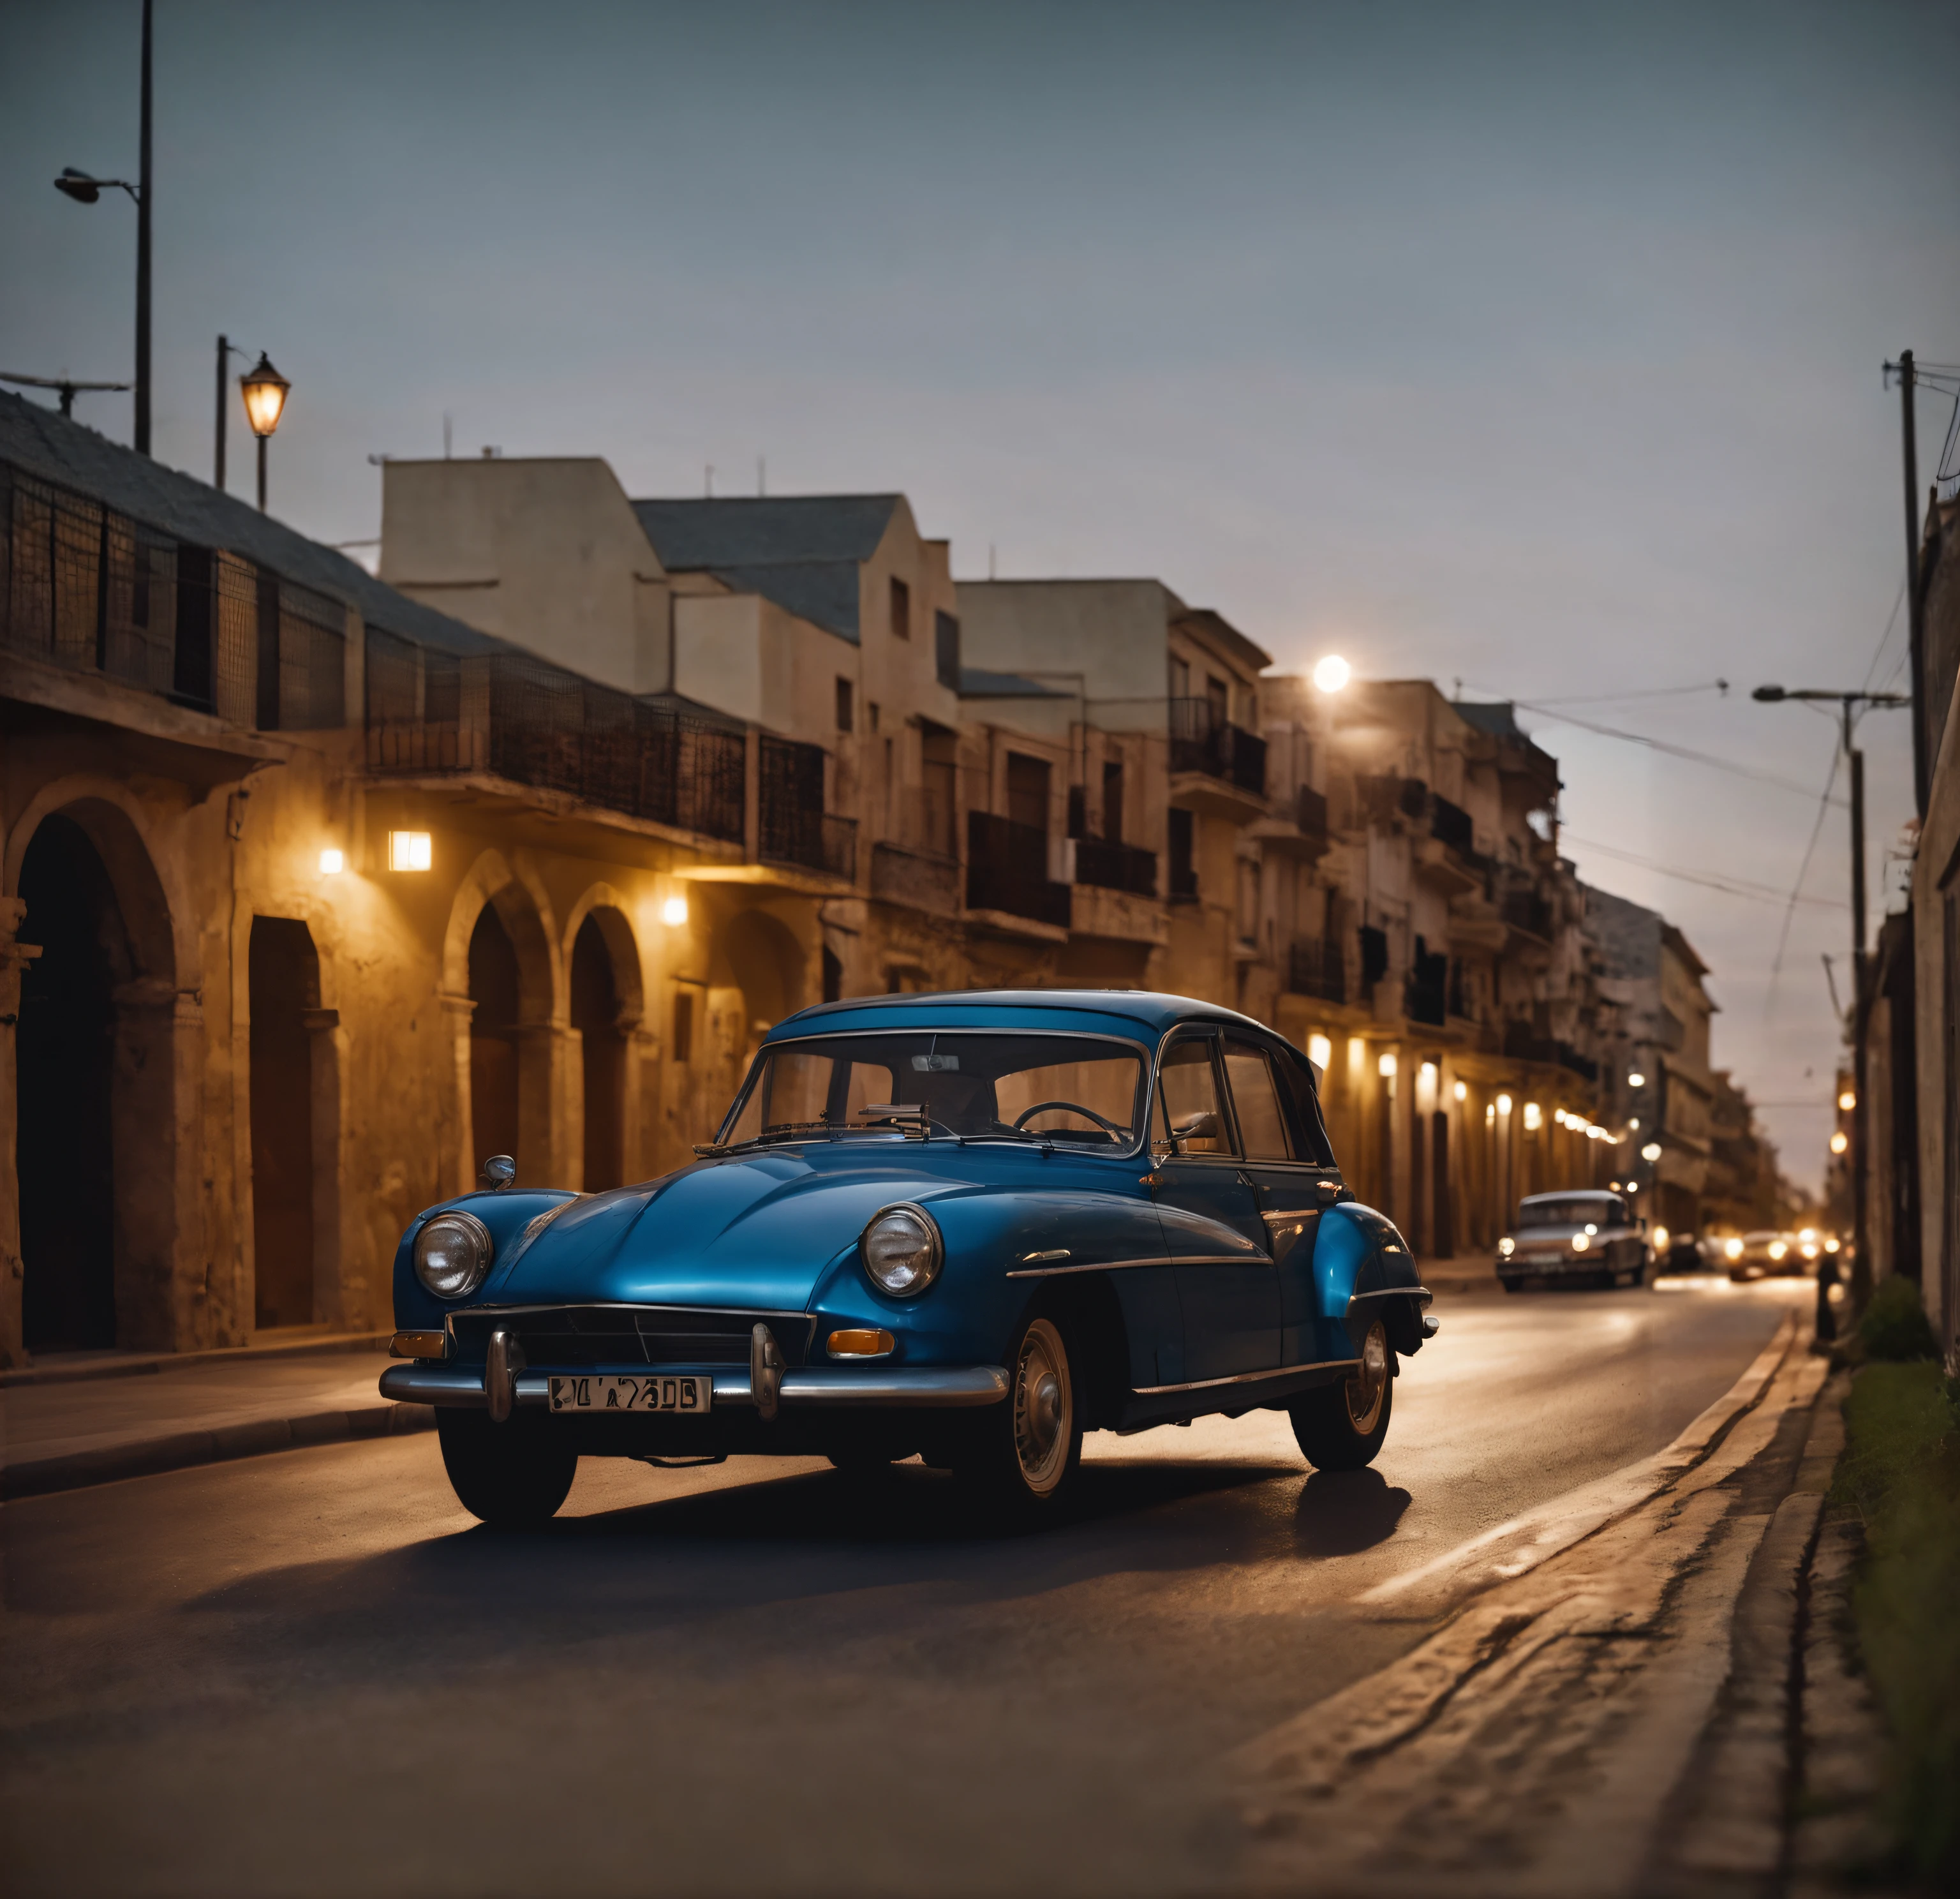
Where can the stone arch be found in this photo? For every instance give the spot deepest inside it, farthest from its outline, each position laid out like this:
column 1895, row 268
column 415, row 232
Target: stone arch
column 605, row 999
column 758, row 957
column 510, row 1072
column 100, row 1095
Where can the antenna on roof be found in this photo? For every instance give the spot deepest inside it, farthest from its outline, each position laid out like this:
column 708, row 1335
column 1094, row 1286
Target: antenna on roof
column 762, row 476
column 708, row 482
column 445, row 435
column 990, row 560
column 1458, row 696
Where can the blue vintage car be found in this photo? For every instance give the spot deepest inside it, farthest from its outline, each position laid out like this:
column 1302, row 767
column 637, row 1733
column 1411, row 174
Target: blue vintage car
column 969, row 1226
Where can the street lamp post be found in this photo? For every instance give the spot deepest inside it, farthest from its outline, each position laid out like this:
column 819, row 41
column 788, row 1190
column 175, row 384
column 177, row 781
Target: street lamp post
column 264, row 391
column 1847, row 703
column 85, row 189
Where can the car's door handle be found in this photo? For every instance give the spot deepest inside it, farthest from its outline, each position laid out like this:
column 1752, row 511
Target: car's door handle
column 1327, row 1189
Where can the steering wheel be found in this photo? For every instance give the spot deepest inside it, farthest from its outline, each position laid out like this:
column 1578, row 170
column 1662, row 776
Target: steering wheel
column 1109, row 1127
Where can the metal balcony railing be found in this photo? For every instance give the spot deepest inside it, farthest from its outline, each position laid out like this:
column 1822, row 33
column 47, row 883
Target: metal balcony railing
column 1450, row 824
column 1309, row 813
column 513, row 717
column 1200, row 741
column 1006, row 870
column 793, row 827
column 1116, row 866
column 1530, row 914
column 1520, row 1044
column 1316, row 967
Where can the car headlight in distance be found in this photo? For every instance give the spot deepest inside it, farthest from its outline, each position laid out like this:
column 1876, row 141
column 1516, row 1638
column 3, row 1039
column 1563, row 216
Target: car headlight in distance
column 901, row 1249
column 1580, row 1242
column 1507, row 1245
column 452, row 1255
column 1733, row 1249
column 1777, row 1249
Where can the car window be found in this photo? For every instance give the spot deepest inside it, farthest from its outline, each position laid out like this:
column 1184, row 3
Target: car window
column 1190, row 1122
column 1256, row 1102
column 1295, row 1076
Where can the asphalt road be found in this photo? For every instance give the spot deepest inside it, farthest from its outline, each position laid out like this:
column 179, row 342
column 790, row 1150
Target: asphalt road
column 312, row 1673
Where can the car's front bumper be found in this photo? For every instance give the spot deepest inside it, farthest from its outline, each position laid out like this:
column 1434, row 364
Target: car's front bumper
column 839, row 1388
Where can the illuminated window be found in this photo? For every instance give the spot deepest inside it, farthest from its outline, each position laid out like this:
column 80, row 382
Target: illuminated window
column 410, row 850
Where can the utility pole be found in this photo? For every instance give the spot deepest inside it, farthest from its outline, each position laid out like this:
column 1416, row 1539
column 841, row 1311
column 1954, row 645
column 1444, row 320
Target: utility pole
column 217, row 452
column 1861, row 1113
column 1915, row 614
column 143, row 257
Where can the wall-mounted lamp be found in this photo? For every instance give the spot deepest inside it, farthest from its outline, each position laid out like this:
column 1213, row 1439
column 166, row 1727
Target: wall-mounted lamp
column 1846, row 1102
column 1385, row 1067
column 1651, row 1151
column 673, row 912
column 1462, row 1091
column 410, row 850
column 1635, row 1079
column 1534, row 1117
column 331, row 863
column 1839, row 1141
column 1504, row 1104
column 1319, row 1051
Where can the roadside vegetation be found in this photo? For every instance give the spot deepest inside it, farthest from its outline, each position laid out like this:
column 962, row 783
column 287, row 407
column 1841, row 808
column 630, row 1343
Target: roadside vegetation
column 1901, row 1475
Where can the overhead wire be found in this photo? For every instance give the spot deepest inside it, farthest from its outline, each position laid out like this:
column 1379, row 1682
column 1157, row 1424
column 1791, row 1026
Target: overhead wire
column 1796, row 888
column 1709, row 880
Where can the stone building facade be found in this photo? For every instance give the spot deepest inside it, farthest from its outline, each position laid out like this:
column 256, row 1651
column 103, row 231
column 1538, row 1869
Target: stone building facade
column 319, row 886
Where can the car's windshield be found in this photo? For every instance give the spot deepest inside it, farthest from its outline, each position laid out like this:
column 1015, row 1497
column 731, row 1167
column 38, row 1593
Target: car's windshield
column 1078, row 1090
column 1600, row 1209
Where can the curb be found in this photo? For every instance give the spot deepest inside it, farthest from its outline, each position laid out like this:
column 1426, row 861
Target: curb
column 139, row 1364
column 40, row 1476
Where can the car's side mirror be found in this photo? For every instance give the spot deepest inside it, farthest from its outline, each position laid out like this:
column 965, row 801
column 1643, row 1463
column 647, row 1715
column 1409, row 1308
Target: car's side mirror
column 499, row 1172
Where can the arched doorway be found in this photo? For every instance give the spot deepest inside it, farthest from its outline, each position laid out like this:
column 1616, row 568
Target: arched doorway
column 766, row 962
column 595, row 1014
column 495, row 987
column 66, row 1077
column 284, row 976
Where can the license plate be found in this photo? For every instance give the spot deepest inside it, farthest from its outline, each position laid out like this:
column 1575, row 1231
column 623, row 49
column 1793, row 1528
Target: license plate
column 598, row 1394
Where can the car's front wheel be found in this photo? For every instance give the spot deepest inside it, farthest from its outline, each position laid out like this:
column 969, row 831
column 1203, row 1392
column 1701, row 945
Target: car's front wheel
column 1023, row 1454
column 1340, row 1427
column 511, row 1474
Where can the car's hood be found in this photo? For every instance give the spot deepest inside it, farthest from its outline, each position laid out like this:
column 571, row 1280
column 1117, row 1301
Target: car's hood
column 757, row 1232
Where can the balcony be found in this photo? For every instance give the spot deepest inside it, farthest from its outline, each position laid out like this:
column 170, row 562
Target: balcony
column 512, row 717
column 1315, row 967
column 1529, row 915
column 1520, row 1044
column 1116, row 866
column 1006, row 871
column 1450, row 824
column 794, row 829
column 1230, row 763
column 1299, row 828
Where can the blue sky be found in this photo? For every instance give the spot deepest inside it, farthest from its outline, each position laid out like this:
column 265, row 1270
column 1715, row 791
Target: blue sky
column 1537, row 348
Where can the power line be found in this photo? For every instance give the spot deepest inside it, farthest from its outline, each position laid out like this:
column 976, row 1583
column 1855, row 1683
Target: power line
column 1708, row 879
column 1656, row 692
column 1802, row 871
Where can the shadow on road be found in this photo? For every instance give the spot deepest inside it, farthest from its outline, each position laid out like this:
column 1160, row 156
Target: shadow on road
column 1343, row 1512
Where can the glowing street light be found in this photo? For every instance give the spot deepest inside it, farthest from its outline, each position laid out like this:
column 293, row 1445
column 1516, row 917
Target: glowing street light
column 1332, row 672
column 1839, row 1142
column 1846, row 1102
column 265, row 390
column 1651, row 1151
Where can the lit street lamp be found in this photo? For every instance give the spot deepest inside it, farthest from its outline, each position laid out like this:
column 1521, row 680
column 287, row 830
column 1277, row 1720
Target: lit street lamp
column 86, row 190
column 264, row 391
column 1847, row 703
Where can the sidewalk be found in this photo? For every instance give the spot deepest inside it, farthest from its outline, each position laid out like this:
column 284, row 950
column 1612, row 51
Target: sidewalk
column 92, row 1422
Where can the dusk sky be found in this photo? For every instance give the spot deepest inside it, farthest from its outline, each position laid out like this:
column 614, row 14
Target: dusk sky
column 1538, row 348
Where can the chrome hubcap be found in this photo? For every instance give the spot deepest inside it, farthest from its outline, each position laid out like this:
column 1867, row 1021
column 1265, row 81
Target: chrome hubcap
column 1044, row 1408
column 1369, row 1384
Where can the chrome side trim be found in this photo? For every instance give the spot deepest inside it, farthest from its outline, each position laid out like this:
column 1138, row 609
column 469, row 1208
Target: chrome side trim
column 1054, row 1252
column 1420, row 1293
column 1244, row 1377
column 1251, row 1257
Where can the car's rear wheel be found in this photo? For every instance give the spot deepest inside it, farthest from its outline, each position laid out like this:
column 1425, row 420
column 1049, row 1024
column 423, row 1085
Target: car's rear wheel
column 511, row 1474
column 1340, row 1427
column 1023, row 1454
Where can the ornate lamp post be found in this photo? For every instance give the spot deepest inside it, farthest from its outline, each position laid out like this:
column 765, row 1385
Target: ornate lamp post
column 265, row 392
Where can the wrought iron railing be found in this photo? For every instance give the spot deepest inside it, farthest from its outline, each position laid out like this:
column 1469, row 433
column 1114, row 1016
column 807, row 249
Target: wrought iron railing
column 1116, row 866
column 1450, row 824
column 1200, row 741
column 1520, row 1044
column 516, row 717
column 793, row 828
column 1006, row 870
column 1309, row 813
column 1316, row 967
column 1530, row 914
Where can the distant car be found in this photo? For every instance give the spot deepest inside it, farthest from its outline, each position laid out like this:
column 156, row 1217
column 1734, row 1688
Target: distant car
column 1584, row 1236
column 1685, row 1253
column 1764, row 1253
column 966, row 1226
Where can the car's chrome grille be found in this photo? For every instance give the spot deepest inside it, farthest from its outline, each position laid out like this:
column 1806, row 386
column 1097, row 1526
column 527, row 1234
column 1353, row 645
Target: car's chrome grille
column 588, row 1335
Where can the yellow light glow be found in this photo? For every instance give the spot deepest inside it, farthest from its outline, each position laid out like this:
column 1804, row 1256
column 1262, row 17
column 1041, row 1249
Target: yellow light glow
column 1332, row 672
column 1580, row 1243
column 331, row 863
column 1634, row 1125
column 1651, row 1151
column 1839, row 1141
column 1660, row 1239
column 1504, row 1104
column 673, row 912
column 1427, row 1071
column 1777, row 1248
column 1507, row 1245
column 1809, row 1233
column 264, row 391
column 1462, row 1091
column 1357, row 1051
column 1637, row 1080
column 1385, row 1067
column 1534, row 1115
column 410, row 850
column 1847, row 1101
column 1319, row 1051
column 1831, row 1245
column 1732, row 1248
column 1558, row 1117
column 1810, row 1251
column 861, row 1342
column 1615, row 1185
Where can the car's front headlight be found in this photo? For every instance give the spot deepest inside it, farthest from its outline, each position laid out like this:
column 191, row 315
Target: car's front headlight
column 1580, row 1242
column 1733, row 1249
column 1507, row 1245
column 452, row 1253
column 901, row 1249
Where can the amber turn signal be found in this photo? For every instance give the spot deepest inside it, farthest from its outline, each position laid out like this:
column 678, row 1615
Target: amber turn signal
column 861, row 1342
column 419, row 1345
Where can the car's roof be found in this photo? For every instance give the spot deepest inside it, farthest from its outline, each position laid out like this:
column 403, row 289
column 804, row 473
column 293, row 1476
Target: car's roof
column 1140, row 1014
